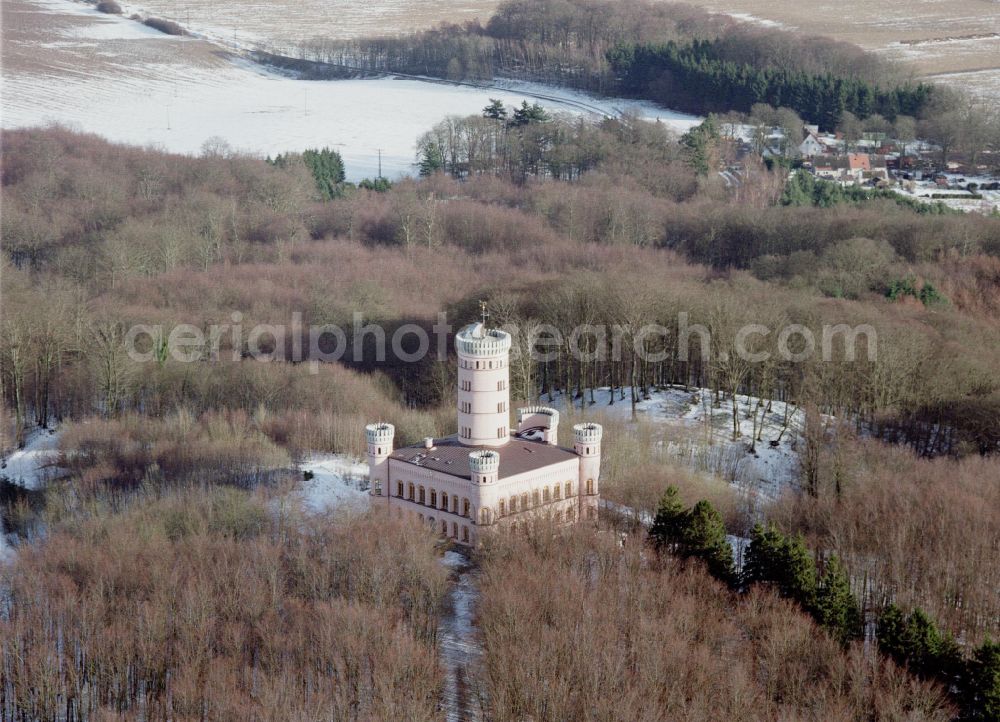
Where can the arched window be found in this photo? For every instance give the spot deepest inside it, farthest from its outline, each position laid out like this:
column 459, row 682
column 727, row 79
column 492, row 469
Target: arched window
column 444, row 528
column 513, row 505
column 524, row 501
column 412, row 491
column 444, row 501
column 420, row 498
column 434, row 498
column 535, row 498
column 454, row 530
column 545, row 494
column 569, row 489
column 454, row 506
column 501, row 508
column 465, row 534
column 558, row 516
column 484, row 516
column 399, row 489
column 556, row 492
column 465, row 507
column 590, row 486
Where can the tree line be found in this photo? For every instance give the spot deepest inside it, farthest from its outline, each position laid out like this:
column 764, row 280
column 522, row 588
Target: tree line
column 698, row 78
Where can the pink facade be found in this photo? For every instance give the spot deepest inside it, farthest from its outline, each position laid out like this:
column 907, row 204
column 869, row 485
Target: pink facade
column 486, row 475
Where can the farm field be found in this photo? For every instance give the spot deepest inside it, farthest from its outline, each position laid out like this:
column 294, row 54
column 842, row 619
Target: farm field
column 117, row 78
column 285, row 22
column 954, row 41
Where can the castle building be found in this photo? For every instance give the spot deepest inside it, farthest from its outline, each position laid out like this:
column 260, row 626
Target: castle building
column 487, row 475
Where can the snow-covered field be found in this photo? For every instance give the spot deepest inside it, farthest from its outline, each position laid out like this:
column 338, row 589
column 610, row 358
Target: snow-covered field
column 283, row 22
column 704, row 434
column 115, row 77
column 338, row 482
column 924, row 190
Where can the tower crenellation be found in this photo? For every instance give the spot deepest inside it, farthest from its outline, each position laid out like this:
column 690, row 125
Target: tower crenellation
column 484, row 466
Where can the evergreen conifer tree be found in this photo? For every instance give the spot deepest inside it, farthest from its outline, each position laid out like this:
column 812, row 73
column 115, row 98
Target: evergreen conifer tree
column 982, row 683
column 836, row 608
column 431, row 159
column 670, row 520
column 705, row 537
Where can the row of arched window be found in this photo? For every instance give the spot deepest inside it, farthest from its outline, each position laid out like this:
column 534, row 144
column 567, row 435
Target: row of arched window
column 461, row 506
column 430, row 497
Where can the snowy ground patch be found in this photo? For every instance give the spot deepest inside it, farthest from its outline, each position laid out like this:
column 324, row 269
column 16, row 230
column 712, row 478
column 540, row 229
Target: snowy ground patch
column 34, row 465
column 704, row 437
column 337, row 482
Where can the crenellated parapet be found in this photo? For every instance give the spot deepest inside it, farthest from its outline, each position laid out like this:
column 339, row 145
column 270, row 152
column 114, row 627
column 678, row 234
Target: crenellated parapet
column 380, row 434
column 476, row 340
column 587, row 434
column 484, row 466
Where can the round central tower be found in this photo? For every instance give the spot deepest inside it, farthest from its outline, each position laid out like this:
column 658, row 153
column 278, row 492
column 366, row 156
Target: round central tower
column 483, row 385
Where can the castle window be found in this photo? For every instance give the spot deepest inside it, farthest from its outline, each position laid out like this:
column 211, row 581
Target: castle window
column 545, row 494
column 378, row 488
column 444, row 501
column 555, row 492
column 501, row 508
column 421, row 498
column 465, row 507
column 399, row 489
column 444, row 528
column 491, row 364
column 484, row 516
column 534, row 498
column 454, row 530
column 569, row 489
column 412, row 491
column 465, row 534
column 524, row 501
column 558, row 516
column 434, row 498
column 590, row 486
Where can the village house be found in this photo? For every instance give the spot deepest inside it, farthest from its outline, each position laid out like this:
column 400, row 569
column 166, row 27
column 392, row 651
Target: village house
column 487, row 475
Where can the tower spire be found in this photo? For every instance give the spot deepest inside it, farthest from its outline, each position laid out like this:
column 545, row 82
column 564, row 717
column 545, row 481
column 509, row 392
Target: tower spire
column 485, row 313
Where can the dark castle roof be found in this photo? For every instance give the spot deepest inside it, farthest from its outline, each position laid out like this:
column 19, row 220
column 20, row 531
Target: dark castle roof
column 450, row 456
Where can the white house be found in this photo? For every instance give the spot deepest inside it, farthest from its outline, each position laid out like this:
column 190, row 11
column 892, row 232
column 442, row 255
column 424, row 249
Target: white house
column 811, row 146
column 487, row 476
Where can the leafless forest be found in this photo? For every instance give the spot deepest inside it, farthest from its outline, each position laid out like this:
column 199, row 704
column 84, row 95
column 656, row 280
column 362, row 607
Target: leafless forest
column 165, row 574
